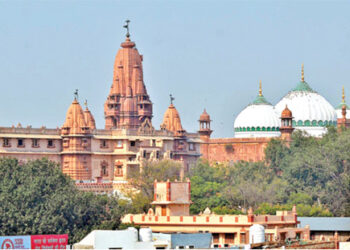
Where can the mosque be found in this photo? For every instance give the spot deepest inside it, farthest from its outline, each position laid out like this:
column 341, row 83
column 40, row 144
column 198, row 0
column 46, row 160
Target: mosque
column 101, row 160
column 302, row 108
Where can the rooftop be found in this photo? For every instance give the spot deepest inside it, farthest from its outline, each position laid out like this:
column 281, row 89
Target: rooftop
column 326, row 223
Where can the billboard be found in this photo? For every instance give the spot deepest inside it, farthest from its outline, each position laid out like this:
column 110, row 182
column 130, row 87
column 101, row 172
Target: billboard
column 15, row 242
column 54, row 241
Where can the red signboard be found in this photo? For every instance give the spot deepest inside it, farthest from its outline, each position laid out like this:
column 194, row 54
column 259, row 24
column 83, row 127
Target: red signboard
column 54, row 241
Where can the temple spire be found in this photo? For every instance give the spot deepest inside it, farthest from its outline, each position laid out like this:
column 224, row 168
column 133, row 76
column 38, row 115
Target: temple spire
column 343, row 95
column 260, row 89
column 302, row 73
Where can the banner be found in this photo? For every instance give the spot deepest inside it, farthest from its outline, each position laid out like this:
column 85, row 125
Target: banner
column 15, row 242
column 54, row 241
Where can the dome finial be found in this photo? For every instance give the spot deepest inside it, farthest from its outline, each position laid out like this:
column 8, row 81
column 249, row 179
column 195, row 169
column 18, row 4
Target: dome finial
column 86, row 104
column 302, row 73
column 343, row 96
column 260, row 89
column 171, row 99
column 126, row 26
column 76, row 95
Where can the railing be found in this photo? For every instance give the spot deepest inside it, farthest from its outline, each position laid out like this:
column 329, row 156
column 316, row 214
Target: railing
column 29, row 130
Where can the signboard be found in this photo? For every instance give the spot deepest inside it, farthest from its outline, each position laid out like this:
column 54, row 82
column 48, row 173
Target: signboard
column 15, row 242
column 54, row 241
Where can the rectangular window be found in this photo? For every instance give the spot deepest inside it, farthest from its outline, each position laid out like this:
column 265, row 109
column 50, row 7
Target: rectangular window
column 20, row 143
column 35, row 143
column 144, row 154
column 50, row 144
column 229, row 238
column 6, row 143
column 104, row 144
column 119, row 143
column 242, row 238
column 191, row 147
column 215, row 238
column 66, row 143
column 153, row 143
column 119, row 171
column 132, row 143
column 157, row 154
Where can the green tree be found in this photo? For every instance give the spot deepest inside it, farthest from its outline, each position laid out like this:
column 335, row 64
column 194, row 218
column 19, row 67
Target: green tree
column 143, row 182
column 37, row 198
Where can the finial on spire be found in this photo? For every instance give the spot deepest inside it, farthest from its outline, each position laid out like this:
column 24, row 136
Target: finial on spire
column 86, row 104
column 343, row 96
column 126, row 26
column 76, row 95
column 171, row 99
column 260, row 89
column 302, row 73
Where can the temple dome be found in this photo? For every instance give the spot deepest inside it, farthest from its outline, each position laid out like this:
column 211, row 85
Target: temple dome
column 172, row 121
column 75, row 120
column 311, row 111
column 258, row 119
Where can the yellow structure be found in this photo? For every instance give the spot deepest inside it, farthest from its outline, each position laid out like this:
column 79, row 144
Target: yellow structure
column 171, row 215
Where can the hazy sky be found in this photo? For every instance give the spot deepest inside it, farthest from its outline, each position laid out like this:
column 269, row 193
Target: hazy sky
column 208, row 54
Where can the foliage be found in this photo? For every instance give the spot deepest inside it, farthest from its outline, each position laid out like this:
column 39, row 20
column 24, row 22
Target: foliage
column 313, row 173
column 37, row 198
column 143, row 181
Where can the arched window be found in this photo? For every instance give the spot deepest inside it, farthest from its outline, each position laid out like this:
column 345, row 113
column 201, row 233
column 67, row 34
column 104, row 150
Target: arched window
column 314, row 123
column 300, row 123
column 307, row 123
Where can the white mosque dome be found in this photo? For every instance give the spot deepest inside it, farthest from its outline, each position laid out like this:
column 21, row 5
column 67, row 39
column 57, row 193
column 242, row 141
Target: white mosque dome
column 311, row 111
column 258, row 119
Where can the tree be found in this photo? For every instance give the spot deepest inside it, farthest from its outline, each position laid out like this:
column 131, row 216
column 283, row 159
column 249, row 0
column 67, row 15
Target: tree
column 37, row 198
column 143, row 182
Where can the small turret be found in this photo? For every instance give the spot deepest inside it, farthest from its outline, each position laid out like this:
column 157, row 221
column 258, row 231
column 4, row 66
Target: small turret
column 172, row 121
column 286, row 128
column 89, row 118
column 75, row 121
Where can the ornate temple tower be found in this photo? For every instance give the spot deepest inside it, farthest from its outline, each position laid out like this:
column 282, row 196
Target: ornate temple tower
column 128, row 104
column 76, row 142
column 204, row 133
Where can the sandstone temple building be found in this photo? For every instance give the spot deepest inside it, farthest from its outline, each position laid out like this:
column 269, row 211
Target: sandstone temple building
column 102, row 159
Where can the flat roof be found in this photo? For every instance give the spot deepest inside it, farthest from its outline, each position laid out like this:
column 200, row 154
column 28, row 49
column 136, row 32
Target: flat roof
column 326, row 223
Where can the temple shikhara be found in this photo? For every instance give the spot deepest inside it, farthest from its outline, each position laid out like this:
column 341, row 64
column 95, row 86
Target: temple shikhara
column 101, row 160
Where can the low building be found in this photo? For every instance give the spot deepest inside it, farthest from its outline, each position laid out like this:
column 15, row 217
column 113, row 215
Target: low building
column 171, row 215
column 325, row 228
